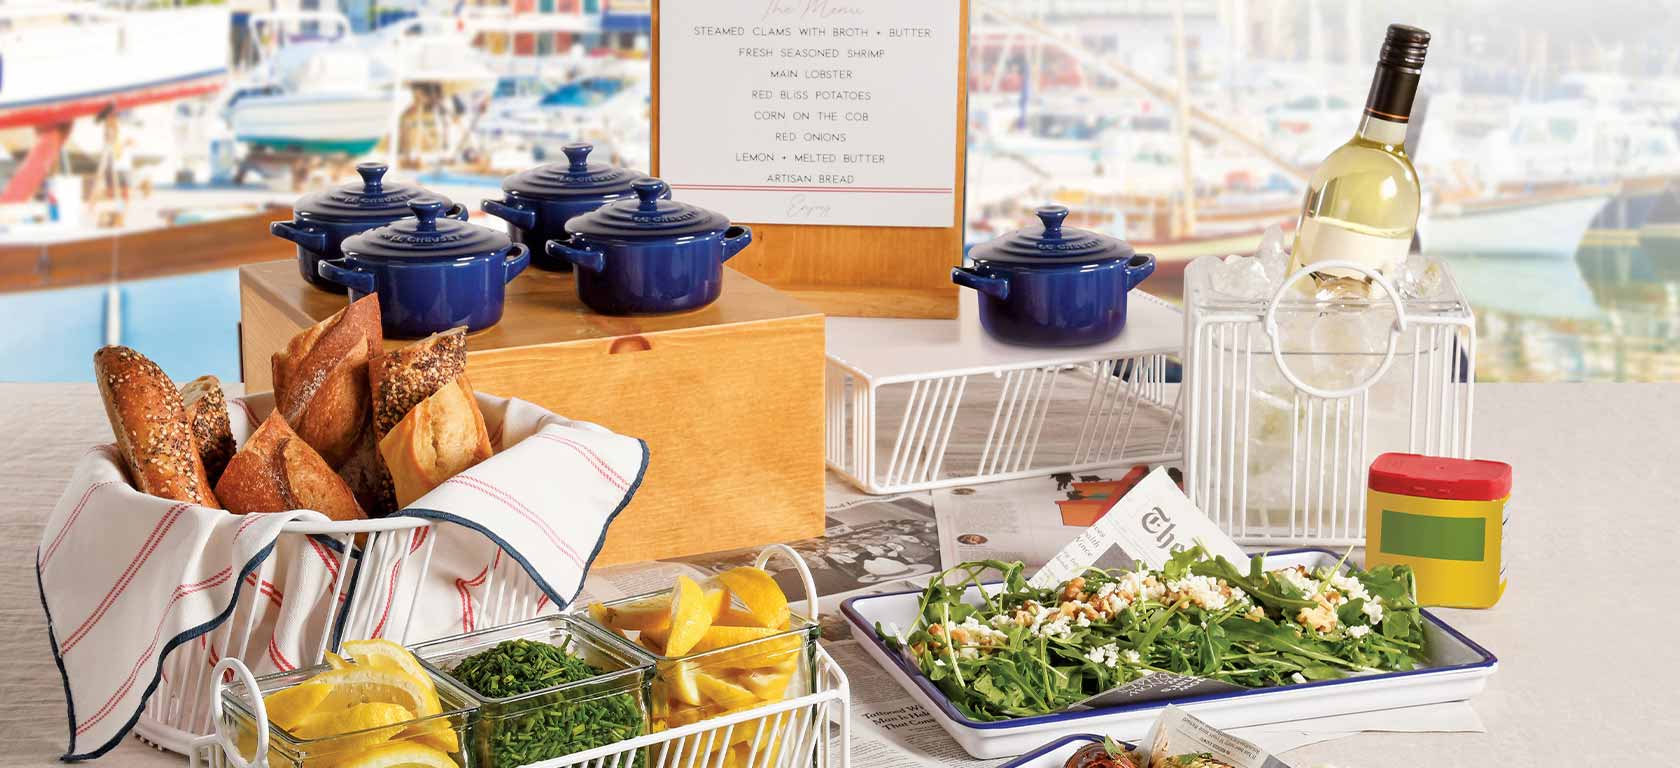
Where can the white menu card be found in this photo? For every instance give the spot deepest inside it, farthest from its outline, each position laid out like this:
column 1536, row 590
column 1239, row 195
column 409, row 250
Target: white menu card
column 819, row 112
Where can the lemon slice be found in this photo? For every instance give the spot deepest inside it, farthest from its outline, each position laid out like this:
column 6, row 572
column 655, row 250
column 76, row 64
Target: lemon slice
column 691, row 615
column 683, row 680
column 336, row 661
column 760, row 647
column 400, row 755
column 758, row 591
column 724, row 693
column 373, row 652
column 289, row 707
column 768, row 685
column 638, row 616
column 368, row 722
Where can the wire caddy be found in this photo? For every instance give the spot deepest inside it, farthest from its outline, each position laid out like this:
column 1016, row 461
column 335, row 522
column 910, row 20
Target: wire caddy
column 918, row 404
column 809, row 730
column 1276, row 459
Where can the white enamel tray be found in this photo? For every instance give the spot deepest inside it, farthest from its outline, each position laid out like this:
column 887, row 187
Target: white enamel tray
column 1055, row 754
column 1458, row 669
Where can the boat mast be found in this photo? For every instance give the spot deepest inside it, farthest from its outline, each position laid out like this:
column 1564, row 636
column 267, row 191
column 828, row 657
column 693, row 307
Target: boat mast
column 1186, row 219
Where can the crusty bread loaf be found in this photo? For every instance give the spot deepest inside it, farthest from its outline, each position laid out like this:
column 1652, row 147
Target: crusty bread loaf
column 441, row 436
column 207, row 413
column 151, row 426
column 404, row 377
column 321, row 379
column 276, row 471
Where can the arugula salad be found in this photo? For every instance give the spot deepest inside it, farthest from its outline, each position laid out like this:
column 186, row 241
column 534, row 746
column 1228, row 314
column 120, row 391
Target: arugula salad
column 1027, row 651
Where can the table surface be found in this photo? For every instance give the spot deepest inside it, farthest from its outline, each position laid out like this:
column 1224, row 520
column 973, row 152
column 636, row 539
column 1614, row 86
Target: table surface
column 1584, row 643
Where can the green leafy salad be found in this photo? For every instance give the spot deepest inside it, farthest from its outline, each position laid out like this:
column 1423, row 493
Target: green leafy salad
column 1028, row 651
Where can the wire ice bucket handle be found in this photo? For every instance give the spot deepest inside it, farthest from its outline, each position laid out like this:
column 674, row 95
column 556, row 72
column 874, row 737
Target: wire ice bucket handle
column 259, row 713
column 810, row 584
column 1394, row 331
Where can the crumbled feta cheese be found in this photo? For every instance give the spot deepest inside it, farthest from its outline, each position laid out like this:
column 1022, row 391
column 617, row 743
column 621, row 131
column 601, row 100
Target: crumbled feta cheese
column 1298, row 677
column 1205, row 591
column 1132, row 656
column 1105, row 655
column 1082, row 622
column 1358, row 630
column 1374, row 610
column 1298, row 578
column 1350, row 587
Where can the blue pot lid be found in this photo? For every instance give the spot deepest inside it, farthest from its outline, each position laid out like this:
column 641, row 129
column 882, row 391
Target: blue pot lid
column 1048, row 242
column 428, row 235
column 371, row 199
column 648, row 217
column 575, row 178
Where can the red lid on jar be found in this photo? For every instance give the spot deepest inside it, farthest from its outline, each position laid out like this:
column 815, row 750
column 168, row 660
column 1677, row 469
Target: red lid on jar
column 1436, row 477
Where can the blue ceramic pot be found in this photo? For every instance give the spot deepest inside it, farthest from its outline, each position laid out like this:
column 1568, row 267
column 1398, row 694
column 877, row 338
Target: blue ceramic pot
column 322, row 220
column 431, row 274
column 537, row 203
column 1049, row 286
column 649, row 255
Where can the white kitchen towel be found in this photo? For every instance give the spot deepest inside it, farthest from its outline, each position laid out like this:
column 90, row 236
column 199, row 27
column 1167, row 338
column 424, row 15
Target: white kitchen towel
column 127, row 578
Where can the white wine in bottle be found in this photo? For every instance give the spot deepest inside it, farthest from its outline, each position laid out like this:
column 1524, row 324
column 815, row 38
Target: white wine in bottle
column 1362, row 202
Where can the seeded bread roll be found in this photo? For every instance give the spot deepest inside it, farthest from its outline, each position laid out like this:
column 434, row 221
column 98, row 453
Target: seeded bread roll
column 409, row 375
column 207, row 412
column 276, row 471
column 151, row 427
column 321, row 379
column 438, row 439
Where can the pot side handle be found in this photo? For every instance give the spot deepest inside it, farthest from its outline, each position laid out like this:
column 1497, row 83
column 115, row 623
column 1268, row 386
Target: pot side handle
column 995, row 287
column 333, row 270
column 308, row 239
column 519, row 257
column 582, row 258
column 735, row 240
column 518, row 217
column 1138, row 268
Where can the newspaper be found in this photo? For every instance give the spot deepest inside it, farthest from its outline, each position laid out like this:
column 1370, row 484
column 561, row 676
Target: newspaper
column 1177, row 733
column 1029, row 520
column 873, row 546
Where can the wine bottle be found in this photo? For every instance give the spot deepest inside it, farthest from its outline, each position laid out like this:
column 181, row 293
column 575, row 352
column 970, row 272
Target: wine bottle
column 1362, row 202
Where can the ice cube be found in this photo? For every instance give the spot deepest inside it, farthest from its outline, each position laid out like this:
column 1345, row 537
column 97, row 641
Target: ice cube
column 1272, row 255
column 1420, row 278
column 1243, row 277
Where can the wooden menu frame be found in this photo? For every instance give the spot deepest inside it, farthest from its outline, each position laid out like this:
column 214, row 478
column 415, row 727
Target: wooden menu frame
column 859, row 271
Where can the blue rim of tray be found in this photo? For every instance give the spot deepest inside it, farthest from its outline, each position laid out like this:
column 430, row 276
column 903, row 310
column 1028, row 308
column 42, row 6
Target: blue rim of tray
column 938, row 697
column 1034, row 756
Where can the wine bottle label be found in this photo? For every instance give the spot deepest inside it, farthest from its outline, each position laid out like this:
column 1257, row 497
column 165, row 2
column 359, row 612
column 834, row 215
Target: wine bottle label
column 1327, row 242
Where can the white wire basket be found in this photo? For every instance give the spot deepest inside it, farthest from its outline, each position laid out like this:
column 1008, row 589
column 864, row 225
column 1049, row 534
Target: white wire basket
column 919, row 404
column 803, row 732
column 1280, row 435
column 179, row 711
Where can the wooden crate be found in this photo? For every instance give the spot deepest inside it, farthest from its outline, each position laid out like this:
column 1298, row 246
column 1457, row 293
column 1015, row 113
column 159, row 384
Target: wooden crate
column 728, row 398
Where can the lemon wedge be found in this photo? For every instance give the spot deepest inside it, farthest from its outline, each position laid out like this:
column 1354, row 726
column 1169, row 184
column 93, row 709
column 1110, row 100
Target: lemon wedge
column 652, row 613
column 400, row 755
column 371, row 723
column 758, row 591
column 374, row 652
column 690, row 616
column 288, row 707
column 724, row 693
column 769, row 685
column 684, row 682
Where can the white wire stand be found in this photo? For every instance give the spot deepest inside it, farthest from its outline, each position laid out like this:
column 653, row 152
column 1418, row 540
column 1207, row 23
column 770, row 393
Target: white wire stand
column 1280, row 435
column 809, row 730
column 919, row 404
column 179, row 711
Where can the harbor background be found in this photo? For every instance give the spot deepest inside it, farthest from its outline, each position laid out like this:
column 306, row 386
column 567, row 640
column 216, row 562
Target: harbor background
column 143, row 145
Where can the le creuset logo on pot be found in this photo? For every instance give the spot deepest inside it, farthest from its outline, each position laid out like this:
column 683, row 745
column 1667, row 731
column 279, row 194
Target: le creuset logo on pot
column 667, row 218
column 369, row 199
column 427, row 238
column 1066, row 245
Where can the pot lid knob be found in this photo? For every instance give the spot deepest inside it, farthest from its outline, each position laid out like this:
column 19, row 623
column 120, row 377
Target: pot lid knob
column 373, row 175
column 426, row 209
column 649, row 191
column 1052, row 216
column 578, row 153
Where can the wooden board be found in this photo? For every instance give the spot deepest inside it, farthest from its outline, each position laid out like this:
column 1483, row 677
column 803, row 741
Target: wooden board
column 728, row 398
column 860, row 271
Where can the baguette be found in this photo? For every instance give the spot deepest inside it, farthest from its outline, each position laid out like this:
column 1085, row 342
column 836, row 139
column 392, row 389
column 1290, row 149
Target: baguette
column 404, row 377
column 440, row 437
column 276, row 471
column 207, row 412
column 151, row 428
column 321, row 379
